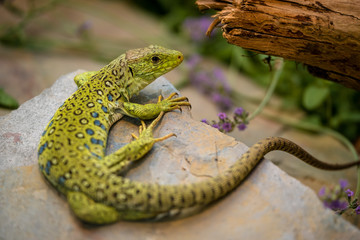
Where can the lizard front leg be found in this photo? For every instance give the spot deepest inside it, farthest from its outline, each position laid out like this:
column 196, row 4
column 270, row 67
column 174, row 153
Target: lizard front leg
column 152, row 110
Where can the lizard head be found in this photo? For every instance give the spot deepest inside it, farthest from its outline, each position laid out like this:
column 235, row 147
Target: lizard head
column 147, row 64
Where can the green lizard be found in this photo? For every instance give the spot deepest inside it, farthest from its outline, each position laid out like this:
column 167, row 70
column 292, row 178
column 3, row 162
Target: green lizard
column 71, row 149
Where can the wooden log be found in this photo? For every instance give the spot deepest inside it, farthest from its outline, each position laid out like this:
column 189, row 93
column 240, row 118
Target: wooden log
column 322, row 34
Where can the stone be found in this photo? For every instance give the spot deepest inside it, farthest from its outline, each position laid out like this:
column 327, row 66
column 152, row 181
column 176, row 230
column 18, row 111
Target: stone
column 269, row 204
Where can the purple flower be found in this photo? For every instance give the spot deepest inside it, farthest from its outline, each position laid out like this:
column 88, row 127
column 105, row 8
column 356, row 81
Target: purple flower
column 326, row 204
column 215, row 125
column 241, row 126
column 222, row 115
column 221, row 78
column 349, row 193
column 202, row 81
column 216, row 97
column 84, row 27
column 201, row 77
column 226, row 103
column 193, row 60
column 343, row 183
column 322, row 192
column 197, row 27
column 239, row 111
column 219, row 74
column 222, row 101
column 338, row 205
column 204, row 121
column 227, row 127
column 357, row 210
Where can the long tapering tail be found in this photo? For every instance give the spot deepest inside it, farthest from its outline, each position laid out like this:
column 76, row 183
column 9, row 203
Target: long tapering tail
column 162, row 198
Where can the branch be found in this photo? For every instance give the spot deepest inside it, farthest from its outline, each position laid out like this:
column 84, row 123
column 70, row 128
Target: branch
column 322, row 34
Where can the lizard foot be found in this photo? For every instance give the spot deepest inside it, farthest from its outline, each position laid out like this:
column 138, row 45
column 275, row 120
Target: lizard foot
column 170, row 103
column 147, row 130
column 152, row 110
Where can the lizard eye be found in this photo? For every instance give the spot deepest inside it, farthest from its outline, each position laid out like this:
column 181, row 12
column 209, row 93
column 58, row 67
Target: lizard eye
column 155, row 59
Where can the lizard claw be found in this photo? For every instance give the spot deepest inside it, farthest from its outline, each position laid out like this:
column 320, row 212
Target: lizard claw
column 171, row 96
column 175, row 103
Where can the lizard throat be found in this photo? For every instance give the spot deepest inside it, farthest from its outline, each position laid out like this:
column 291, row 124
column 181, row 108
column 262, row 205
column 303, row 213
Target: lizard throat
column 136, row 86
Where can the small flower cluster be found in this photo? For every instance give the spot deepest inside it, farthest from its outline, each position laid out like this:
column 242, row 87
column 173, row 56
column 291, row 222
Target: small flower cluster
column 227, row 125
column 211, row 83
column 84, row 28
column 338, row 199
column 196, row 27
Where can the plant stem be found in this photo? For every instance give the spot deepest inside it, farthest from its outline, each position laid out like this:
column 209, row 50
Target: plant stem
column 279, row 66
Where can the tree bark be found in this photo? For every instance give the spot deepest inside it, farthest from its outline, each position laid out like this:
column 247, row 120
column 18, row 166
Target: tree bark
column 322, row 34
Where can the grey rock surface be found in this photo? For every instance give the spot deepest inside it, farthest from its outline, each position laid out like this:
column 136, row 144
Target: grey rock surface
column 267, row 205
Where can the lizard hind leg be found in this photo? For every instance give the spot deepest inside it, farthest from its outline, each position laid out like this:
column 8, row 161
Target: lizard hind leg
column 89, row 211
column 118, row 161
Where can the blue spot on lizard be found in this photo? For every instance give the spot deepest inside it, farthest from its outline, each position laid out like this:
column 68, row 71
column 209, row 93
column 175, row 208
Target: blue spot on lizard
column 97, row 141
column 47, row 168
column 104, row 109
column 94, row 114
column 89, row 131
column 62, row 180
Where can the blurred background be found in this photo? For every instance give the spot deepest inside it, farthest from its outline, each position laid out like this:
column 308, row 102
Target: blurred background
column 40, row 40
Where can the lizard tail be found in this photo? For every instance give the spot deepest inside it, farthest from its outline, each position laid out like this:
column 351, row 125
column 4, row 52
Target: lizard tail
column 157, row 198
column 283, row 144
column 205, row 192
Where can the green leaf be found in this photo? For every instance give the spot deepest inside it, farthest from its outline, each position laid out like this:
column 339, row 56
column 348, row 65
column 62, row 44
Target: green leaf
column 7, row 101
column 314, row 96
column 346, row 117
